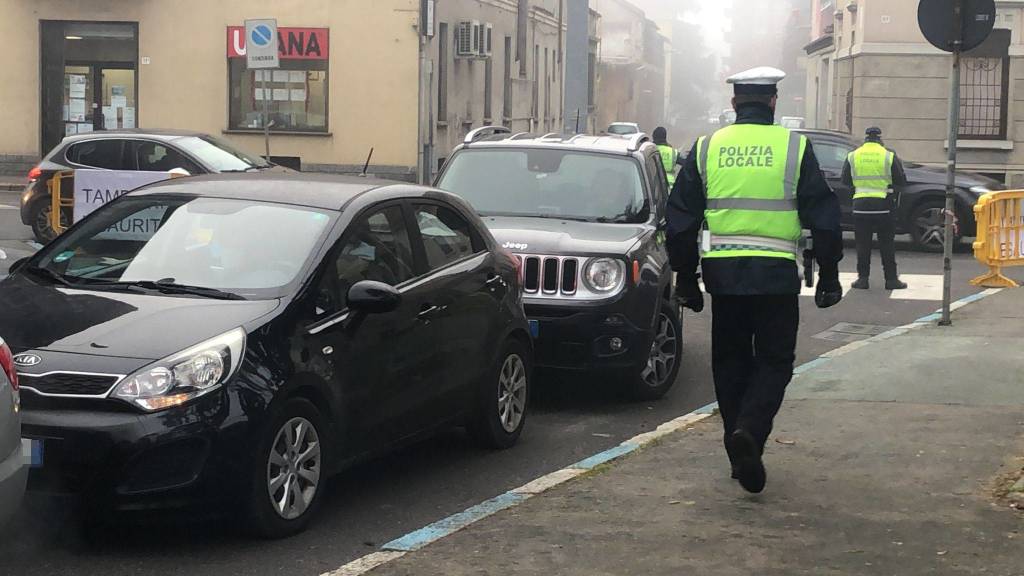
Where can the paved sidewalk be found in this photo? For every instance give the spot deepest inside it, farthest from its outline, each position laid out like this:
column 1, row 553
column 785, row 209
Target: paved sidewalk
column 886, row 460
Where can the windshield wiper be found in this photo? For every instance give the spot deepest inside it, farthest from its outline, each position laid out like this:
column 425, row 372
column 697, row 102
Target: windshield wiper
column 249, row 169
column 48, row 274
column 171, row 288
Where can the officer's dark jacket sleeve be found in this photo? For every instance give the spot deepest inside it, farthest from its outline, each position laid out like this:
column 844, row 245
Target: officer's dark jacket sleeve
column 819, row 212
column 899, row 176
column 685, row 215
column 847, row 174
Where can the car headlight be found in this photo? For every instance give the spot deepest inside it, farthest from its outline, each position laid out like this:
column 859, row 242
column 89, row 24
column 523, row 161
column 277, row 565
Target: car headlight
column 604, row 274
column 186, row 375
column 979, row 190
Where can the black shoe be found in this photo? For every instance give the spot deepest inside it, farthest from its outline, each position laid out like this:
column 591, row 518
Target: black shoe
column 895, row 284
column 749, row 466
column 862, row 283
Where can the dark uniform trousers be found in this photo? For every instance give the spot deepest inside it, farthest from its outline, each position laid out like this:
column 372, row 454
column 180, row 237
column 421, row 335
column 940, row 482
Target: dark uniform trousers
column 753, row 343
column 865, row 228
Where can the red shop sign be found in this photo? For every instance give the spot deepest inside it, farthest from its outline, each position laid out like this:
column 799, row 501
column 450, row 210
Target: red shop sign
column 293, row 43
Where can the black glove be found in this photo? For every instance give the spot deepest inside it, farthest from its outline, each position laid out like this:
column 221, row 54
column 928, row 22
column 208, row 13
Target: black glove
column 830, row 291
column 688, row 292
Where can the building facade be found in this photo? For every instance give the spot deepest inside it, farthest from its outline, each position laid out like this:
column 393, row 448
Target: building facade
column 869, row 65
column 355, row 75
column 631, row 66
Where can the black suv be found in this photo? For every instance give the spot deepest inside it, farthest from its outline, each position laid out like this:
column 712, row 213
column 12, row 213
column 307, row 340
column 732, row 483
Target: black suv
column 149, row 150
column 922, row 201
column 584, row 216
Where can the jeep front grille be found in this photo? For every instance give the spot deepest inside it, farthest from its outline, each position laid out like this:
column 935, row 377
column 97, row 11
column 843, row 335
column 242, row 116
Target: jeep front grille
column 550, row 275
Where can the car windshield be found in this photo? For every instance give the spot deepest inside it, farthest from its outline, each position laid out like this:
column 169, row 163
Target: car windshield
column 220, row 156
column 622, row 129
column 239, row 247
column 548, row 183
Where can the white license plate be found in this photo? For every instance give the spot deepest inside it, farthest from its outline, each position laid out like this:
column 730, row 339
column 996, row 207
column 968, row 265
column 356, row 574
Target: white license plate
column 32, row 452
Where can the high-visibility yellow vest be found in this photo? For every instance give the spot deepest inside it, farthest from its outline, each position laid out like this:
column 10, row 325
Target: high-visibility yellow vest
column 669, row 156
column 750, row 174
column 871, row 170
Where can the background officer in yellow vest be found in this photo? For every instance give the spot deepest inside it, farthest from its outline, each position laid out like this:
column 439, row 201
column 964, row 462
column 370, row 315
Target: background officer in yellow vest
column 746, row 192
column 873, row 171
column 670, row 157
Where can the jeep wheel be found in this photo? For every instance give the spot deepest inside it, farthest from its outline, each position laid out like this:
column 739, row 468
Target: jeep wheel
column 656, row 375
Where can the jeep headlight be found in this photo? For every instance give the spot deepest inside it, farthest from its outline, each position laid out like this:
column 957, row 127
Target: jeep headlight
column 604, row 275
column 186, row 375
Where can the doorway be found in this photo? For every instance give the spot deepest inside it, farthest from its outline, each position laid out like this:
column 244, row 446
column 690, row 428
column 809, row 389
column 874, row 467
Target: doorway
column 98, row 97
column 89, row 79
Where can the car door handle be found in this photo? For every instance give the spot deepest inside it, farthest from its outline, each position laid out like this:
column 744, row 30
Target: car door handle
column 430, row 312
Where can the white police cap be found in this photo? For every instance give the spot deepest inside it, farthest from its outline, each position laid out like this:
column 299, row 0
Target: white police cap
column 761, row 76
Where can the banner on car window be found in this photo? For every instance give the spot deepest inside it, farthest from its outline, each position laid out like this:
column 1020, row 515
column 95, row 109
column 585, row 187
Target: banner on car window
column 94, row 188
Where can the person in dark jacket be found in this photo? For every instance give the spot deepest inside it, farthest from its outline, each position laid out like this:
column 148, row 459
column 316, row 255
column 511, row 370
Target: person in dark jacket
column 873, row 172
column 746, row 191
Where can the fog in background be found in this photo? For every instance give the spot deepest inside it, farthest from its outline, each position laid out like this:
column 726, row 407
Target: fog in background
column 713, row 39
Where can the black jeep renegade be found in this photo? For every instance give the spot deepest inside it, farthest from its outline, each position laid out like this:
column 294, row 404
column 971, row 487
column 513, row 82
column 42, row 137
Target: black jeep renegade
column 584, row 217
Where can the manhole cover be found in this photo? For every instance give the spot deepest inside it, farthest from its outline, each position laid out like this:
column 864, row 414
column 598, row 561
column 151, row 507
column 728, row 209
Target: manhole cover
column 851, row 332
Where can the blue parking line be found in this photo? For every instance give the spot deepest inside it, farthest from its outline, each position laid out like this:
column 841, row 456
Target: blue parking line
column 606, row 456
column 454, row 523
column 709, row 409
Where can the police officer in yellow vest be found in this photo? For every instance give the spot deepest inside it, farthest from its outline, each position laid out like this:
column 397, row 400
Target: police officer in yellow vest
column 873, row 171
column 746, row 192
column 669, row 156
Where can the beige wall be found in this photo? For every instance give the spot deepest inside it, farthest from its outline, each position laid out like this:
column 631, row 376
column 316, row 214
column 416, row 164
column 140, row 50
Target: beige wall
column 373, row 70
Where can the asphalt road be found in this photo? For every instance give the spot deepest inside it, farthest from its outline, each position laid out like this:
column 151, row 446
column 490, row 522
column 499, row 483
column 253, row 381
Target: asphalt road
column 571, row 418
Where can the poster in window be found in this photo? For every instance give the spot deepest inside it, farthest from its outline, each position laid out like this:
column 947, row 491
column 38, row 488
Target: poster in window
column 128, row 117
column 296, row 76
column 119, row 101
column 66, row 112
column 298, row 95
column 76, row 85
column 280, row 95
column 70, row 129
column 84, row 128
column 110, row 118
column 76, row 110
column 280, row 75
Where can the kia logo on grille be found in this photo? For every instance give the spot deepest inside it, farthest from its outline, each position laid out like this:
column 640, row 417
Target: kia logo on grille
column 27, row 360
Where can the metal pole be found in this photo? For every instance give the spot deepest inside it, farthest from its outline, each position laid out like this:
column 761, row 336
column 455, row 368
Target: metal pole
column 266, row 113
column 954, row 132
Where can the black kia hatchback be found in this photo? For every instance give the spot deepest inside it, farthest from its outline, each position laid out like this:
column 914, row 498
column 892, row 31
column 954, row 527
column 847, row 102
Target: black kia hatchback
column 239, row 339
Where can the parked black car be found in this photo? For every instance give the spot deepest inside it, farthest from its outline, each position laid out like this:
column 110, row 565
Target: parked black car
column 151, row 150
column 922, row 201
column 584, row 214
column 267, row 332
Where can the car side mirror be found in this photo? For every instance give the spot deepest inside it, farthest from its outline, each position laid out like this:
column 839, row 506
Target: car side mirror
column 178, row 172
column 373, row 297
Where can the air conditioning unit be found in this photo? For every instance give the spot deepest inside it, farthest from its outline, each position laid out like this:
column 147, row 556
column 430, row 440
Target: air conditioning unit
column 467, row 39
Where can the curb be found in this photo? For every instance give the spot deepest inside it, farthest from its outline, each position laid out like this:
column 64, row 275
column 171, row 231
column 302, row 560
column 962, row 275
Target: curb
column 446, row 527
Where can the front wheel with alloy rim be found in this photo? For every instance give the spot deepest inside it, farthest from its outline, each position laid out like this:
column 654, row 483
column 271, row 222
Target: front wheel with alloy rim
column 927, row 224
column 290, row 472
column 656, row 374
column 504, row 397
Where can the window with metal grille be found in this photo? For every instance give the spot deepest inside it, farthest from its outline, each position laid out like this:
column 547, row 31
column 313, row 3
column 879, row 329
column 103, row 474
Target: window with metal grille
column 984, row 89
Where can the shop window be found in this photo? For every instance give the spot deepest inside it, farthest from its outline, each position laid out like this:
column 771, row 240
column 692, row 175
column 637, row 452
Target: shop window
column 296, row 94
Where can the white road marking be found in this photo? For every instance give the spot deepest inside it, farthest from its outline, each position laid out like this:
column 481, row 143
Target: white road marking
column 926, row 287
column 7, row 207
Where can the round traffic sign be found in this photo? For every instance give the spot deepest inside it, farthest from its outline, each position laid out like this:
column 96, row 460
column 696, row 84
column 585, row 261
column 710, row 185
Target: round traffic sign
column 977, row 18
column 261, row 35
